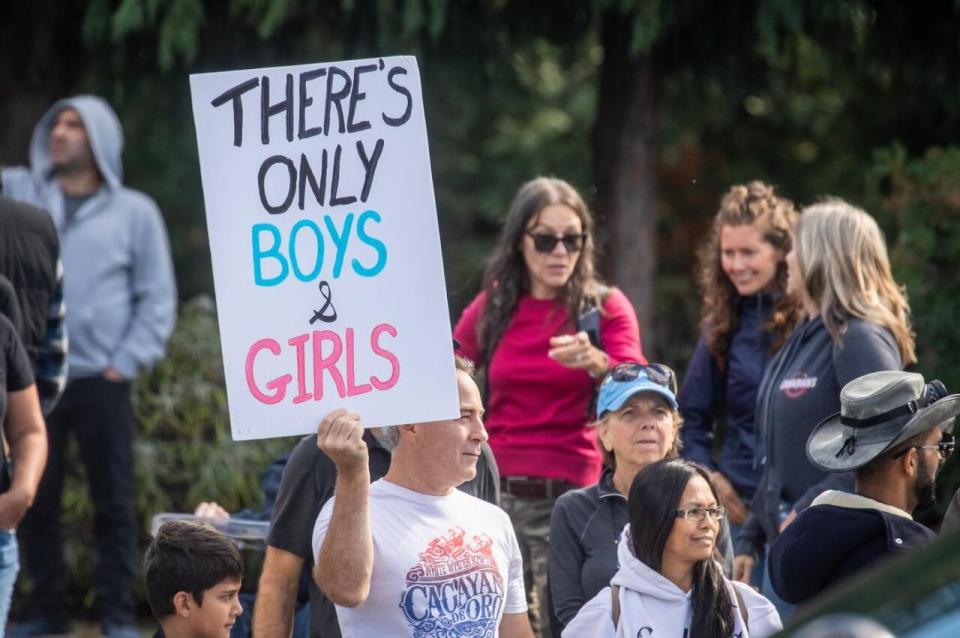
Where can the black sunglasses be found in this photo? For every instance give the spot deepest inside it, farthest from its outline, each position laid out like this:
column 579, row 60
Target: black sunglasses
column 545, row 242
column 656, row 372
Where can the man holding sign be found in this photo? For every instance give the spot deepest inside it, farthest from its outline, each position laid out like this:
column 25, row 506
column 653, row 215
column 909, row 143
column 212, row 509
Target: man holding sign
column 452, row 560
column 326, row 258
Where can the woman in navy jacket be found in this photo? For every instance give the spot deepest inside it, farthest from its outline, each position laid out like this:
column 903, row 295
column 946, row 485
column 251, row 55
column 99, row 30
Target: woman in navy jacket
column 746, row 318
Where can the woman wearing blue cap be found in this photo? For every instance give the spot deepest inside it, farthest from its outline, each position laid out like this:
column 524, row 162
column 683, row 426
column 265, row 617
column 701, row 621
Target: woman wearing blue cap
column 637, row 424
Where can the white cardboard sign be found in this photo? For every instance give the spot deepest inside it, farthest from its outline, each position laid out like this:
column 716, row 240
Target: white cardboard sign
column 325, row 247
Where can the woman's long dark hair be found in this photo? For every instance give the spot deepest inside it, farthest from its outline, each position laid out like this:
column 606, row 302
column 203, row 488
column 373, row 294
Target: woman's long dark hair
column 654, row 499
column 506, row 278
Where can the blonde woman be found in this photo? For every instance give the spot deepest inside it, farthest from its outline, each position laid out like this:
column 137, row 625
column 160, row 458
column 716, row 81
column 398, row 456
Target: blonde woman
column 856, row 321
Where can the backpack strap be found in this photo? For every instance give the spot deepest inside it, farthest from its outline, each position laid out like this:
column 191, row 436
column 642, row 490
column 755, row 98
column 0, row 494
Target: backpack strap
column 615, row 605
column 743, row 608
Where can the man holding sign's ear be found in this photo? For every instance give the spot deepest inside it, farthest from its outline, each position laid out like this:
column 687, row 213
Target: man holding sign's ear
column 450, row 559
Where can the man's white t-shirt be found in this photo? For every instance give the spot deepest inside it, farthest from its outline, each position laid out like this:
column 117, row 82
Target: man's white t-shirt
column 443, row 566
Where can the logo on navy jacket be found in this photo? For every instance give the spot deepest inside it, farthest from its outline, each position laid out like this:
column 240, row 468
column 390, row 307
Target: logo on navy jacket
column 455, row 589
column 797, row 385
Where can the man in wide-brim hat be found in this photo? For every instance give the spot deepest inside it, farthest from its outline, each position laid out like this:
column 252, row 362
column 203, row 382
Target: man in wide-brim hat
column 892, row 432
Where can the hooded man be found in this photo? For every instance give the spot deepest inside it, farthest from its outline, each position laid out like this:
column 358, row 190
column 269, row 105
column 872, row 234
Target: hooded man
column 891, row 431
column 120, row 292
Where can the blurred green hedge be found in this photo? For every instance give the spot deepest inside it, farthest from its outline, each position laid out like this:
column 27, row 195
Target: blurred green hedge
column 183, row 453
column 917, row 201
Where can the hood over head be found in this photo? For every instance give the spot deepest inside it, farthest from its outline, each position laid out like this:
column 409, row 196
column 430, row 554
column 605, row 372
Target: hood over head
column 103, row 130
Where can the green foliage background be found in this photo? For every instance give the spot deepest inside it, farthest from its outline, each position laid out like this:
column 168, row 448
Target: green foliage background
column 917, row 200
column 183, row 453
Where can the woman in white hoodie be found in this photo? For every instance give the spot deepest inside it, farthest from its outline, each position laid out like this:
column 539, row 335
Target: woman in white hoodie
column 669, row 582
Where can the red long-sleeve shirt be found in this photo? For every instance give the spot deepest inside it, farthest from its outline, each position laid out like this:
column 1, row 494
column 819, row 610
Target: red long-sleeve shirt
column 537, row 408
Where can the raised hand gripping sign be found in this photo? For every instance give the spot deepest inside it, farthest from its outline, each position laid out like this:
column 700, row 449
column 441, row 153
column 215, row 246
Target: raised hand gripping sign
column 325, row 247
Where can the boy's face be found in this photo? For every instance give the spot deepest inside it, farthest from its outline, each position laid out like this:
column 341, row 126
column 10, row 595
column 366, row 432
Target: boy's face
column 220, row 608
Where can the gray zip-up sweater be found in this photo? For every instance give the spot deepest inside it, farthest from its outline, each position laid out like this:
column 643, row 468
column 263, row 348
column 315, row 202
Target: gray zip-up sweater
column 585, row 529
column 118, row 276
column 800, row 388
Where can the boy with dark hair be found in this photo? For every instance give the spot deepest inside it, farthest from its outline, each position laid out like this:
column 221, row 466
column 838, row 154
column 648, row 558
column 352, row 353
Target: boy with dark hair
column 193, row 575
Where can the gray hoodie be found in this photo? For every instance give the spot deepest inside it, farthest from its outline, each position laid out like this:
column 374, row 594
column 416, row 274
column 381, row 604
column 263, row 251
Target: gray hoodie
column 118, row 277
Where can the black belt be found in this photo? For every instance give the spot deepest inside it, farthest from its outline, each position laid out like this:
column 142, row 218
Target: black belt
column 532, row 487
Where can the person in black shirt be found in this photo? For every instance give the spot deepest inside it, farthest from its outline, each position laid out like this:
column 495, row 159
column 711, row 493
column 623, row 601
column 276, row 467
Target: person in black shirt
column 25, row 437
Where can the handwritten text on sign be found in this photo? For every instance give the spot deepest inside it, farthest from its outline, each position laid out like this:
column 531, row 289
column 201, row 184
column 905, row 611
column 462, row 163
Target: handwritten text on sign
column 325, row 248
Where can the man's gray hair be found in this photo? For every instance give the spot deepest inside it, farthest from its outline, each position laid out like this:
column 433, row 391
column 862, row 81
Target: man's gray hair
column 387, row 436
column 390, row 436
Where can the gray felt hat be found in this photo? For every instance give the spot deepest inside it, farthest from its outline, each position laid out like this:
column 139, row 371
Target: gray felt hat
column 877, row 412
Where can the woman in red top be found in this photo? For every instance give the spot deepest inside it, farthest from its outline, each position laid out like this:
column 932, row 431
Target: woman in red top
column 530, row 328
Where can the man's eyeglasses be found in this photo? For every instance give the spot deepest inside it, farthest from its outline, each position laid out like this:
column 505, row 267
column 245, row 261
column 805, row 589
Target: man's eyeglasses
column 944, row 447
column 545, row 242
column 656, row 372
column 697, row 514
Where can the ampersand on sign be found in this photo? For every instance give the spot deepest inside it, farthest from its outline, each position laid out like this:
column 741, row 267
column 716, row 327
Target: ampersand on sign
column 327, row 313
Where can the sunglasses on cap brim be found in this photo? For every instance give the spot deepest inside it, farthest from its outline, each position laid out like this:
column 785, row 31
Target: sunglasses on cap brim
column 656, row 372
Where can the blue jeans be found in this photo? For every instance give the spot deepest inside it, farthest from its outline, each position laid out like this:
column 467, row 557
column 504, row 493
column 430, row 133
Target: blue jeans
column 99, row 413
column 9, row 566
column 784, row 608
column 760, row 579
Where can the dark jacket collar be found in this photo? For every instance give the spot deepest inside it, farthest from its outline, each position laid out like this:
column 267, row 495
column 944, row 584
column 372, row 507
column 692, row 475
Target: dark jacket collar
column 605, row 486
column 758, row 304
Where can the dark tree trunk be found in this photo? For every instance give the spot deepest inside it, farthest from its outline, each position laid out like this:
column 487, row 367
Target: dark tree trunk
column 41, row 53
column 625, row 145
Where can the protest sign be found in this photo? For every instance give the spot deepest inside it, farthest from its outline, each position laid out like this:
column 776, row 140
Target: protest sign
column 325, row 247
